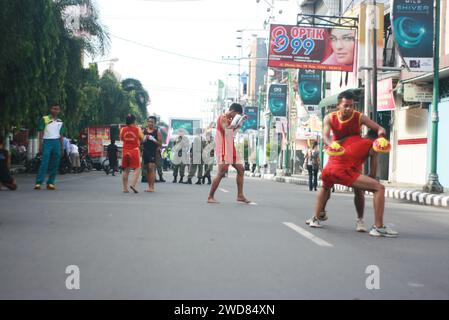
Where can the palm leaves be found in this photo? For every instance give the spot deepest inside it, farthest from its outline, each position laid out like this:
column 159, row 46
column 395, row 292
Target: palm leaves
column 88, row 26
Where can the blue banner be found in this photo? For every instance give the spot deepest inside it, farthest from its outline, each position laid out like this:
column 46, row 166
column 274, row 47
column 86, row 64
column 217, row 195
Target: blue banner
column 253, row 116
column 277, row 100
column 309, row 86
column 413, row 30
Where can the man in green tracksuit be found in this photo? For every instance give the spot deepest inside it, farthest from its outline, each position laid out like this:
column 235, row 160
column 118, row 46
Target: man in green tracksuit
column 51, row 146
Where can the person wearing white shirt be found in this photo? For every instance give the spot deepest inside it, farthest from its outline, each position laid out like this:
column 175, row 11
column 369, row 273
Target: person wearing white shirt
column 75, row 157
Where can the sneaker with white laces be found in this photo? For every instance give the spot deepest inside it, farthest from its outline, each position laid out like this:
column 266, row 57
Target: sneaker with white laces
column 383, row 232
column 360, row 226
column 315, row 223
column 323, row 217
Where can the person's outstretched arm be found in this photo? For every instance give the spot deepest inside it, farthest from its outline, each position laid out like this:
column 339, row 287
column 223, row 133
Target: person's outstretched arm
column 373, row 125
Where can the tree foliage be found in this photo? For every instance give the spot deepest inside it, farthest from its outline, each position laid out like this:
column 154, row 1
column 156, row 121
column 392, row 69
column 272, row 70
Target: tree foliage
column 42, row 61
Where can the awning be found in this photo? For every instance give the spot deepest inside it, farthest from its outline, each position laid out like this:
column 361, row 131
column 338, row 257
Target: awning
column 428, row 77
column 331, row 101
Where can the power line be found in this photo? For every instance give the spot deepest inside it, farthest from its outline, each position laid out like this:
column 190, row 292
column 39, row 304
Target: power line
column 173, row 53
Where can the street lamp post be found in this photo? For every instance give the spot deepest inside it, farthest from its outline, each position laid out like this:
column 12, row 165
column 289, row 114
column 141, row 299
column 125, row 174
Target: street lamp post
column 433, row 185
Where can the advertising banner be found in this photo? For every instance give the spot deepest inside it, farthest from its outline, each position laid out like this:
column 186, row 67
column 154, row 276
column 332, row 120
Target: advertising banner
column 413, row 30
column 182, row 126
column 309, row 86
column 251, row 123
column 95, row 138
column 385, row 98
column 330, row 49
column 277, row 100
column 418, row 92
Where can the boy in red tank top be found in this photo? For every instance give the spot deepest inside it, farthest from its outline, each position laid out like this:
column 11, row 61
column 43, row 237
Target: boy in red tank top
column 345, row 125
column 132, row 136
column 227, row 154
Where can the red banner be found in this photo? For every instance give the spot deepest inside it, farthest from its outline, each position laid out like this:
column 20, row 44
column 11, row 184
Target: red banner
column 330, row 49
column 95, row 137
column 385, row 98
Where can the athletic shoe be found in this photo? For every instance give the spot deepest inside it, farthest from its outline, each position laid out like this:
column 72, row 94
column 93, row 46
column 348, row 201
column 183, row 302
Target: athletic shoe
column 37, row 186
column 51, row 187
column 323, row 217
column 360, row 226
column 315, row 223
column 383, row 232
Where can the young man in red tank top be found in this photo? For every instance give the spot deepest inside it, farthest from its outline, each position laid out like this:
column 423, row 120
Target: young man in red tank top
column 227, row 154
column 345, row 125
column 132, row 136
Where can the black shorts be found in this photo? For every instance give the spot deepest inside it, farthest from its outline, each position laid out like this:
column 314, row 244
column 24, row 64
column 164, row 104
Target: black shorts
column 149, row 157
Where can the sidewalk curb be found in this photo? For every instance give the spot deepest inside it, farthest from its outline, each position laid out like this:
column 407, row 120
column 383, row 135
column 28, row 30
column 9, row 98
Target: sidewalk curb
column 410, row 195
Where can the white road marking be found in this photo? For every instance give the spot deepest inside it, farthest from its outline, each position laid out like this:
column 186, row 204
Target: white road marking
column 308, row 235
column 223, row 190
column 415, row 285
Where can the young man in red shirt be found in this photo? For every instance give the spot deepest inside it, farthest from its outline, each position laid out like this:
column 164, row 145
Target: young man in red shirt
column 132, row 136
column 345, row 125
column 227, row 154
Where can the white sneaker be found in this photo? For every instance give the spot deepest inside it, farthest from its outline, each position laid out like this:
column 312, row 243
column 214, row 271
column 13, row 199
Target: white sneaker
column 383, row 232
column 360, row 226
column 323, row 217
column 315, row 223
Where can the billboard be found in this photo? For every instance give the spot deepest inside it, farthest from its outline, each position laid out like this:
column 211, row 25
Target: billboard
column 385, row 98
column 253, row 116
column 413, row 30
column 184, row 126
column 331, row 49
column 418, row 92
column 309, row 86
column 95, row 138
column 277, row 100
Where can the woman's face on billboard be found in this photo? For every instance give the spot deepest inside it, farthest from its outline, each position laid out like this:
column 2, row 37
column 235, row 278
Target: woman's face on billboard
column 343, row 42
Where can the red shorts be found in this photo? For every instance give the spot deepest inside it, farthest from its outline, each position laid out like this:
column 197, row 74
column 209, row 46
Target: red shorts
column 339, row 175
column 131, row 159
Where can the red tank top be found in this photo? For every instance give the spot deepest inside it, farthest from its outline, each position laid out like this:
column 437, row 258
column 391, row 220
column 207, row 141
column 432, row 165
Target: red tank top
column 224, row 140
column 130, row 136
column 343, row 129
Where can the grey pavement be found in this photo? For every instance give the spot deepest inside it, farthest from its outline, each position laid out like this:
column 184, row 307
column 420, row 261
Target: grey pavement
column 173, row 245
column 404, row 192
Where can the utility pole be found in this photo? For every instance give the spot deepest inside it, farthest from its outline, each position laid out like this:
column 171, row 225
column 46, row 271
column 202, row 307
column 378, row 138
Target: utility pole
column 433, row 185
column 374, row 12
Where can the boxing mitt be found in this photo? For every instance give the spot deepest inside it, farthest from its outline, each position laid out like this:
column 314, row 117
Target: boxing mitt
column 381, row 145
column 335, row 149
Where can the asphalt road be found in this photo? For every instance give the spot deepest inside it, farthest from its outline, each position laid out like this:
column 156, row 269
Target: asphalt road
column 173, row 245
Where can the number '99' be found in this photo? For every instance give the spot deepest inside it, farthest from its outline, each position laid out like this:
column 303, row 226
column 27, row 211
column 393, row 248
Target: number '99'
column 282, row 42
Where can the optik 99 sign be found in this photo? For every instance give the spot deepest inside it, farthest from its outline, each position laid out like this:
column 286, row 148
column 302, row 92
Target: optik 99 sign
column 301, row 47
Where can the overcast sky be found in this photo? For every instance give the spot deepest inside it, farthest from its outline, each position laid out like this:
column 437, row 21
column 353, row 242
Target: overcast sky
column 204, row 29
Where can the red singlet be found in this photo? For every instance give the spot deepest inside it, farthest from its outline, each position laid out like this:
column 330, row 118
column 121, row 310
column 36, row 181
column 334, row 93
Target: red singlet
column 131, row 137
column 343, row 129
column 224, row 141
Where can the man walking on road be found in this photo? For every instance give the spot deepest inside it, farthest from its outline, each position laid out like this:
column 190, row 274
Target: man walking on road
column 208, row 157
column 226, row 151
column 51, row 147
column 151, row 143
column 132, row 136
column 196, row 155
column 112, row 157
column 179, row 166
column 312, row 160
column 345, row 125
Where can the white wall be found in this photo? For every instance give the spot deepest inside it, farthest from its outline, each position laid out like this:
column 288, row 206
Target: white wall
column 411, row 160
